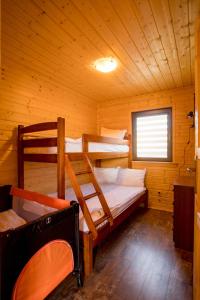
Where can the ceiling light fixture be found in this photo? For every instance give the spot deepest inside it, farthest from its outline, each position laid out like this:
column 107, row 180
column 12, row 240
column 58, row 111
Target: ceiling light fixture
column 105, row 64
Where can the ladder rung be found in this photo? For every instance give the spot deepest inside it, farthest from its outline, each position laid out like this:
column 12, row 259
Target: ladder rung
column 101, row 220
column 90, row 196
column 83, row 172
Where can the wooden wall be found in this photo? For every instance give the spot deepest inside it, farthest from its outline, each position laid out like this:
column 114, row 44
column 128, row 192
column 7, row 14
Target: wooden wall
column 28, row 97
column 33, row 88
column 160, row 176
column 196, row 275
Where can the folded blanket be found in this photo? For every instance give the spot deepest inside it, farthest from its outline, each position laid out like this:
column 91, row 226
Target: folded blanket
column 9, row 220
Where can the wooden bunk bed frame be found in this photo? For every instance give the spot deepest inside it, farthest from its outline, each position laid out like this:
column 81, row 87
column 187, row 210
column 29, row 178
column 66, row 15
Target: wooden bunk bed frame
column 92, row 238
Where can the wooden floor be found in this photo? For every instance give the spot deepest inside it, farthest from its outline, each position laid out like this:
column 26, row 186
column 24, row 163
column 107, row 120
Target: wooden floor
column 139, row 261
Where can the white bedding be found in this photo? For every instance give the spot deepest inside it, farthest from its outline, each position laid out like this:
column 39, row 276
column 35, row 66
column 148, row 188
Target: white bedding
column 9, row 220
column 118, row 198
column 75, row 145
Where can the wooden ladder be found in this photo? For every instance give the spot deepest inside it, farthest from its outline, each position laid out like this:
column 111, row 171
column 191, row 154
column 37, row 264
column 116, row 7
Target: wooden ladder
column 94, row 226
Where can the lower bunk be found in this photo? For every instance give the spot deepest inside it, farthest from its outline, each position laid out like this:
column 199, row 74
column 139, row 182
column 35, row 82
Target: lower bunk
column 87, row 238
column 122, row 202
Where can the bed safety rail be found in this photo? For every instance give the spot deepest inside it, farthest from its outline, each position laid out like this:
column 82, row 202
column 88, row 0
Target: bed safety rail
column 37, row 141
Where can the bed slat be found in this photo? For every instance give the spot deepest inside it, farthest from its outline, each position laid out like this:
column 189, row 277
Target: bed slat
column 97, row 155
column 40, row 142
column 51, row 158
column 39, row 127
column 82, row 172
column 103, row 139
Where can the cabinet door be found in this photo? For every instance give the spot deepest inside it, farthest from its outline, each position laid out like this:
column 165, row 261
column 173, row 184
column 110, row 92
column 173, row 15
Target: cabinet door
column 183, row 217
column 196, row 268
column 177, row 217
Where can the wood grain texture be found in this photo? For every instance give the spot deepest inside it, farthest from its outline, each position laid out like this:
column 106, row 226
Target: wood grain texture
column 32, row 92
column 183, row 225
column 196, row 269
column 153, row 42
column 61, row 158
column 196, row 264
column 20, row 104
column 160, row 176
column 48, row 48
column 138, row 262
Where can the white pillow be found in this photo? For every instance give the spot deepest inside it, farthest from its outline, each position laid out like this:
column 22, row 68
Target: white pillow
column 106, row 175
column 74, row 141
column 131, row 177
column 114, row 133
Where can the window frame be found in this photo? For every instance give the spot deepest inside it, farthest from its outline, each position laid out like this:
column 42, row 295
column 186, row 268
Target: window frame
column 134, row 116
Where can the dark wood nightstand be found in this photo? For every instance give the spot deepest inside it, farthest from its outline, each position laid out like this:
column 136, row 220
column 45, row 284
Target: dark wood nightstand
column 183, row 231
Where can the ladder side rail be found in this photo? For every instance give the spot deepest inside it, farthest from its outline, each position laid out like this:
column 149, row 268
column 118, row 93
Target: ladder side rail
column 80, row 197
column 98, row 189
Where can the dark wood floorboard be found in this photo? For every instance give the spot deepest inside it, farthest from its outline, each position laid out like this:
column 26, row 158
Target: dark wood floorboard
column 138, row 262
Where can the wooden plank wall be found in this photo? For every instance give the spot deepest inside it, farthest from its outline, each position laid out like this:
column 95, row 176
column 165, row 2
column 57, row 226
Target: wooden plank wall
column 28, row 97
column 196, row 275
column 160, row 176
column 33, row 89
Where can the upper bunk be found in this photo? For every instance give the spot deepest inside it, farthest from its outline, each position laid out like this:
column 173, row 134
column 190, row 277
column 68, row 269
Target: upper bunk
column 51, row 148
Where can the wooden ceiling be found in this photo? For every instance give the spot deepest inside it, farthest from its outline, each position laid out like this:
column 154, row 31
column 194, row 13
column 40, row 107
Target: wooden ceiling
column 153, row 41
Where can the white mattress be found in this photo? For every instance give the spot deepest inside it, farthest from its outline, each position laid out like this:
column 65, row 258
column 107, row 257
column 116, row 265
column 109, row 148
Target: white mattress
column 10, row 220
column 118, row 198
column 75, row 145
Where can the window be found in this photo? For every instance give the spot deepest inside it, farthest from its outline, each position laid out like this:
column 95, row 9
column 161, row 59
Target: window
column 152, row 135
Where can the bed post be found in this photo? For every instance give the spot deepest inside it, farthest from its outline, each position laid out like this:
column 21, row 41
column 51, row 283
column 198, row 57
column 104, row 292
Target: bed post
column 130, row 151
column 61, row 158
column 20, row 157
column 85, row 148
column 146, row 201
column 98, row 163
column 84, row 143
column 88, row 253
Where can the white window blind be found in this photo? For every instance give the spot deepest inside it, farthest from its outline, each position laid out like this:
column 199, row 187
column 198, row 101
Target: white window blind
column 152, row 132
column 152, row 135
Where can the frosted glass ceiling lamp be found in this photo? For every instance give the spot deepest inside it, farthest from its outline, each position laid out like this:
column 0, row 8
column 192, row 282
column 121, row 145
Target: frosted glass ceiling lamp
column 105, row 64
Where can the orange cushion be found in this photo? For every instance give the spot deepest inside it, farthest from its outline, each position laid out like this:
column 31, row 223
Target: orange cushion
column 44, row 271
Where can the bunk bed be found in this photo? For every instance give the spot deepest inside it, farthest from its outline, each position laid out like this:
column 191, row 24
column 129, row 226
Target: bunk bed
column 56, row 151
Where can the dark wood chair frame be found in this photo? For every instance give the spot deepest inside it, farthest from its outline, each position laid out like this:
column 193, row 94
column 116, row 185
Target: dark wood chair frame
column 59, row 158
